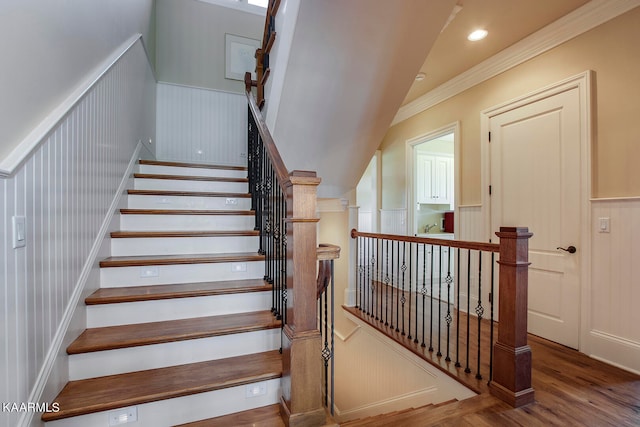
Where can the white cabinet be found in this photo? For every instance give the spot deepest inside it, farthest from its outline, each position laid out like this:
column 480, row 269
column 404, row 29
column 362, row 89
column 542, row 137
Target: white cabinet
column 434, row 179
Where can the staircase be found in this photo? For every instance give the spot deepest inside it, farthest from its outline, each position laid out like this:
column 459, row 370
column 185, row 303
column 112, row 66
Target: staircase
column 181, row 329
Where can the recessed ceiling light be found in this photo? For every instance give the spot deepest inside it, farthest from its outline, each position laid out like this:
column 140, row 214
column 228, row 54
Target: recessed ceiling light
column 477, row 35
column 420, row 76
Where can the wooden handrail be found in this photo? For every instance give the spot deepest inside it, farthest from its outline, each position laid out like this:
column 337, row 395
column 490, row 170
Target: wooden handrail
column 327, row 251
column 270, row 146
column 479, row 246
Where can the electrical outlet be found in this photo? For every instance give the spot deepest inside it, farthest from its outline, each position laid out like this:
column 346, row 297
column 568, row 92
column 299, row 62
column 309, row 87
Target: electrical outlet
column 123, row 416
column 149, row 271
column 256, row 389
column 238, row 267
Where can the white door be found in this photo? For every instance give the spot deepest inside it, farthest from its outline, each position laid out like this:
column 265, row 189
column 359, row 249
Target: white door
column 535, row 182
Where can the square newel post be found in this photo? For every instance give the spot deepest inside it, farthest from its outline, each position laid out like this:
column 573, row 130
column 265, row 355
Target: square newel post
column 511, row 380
column 301, row 402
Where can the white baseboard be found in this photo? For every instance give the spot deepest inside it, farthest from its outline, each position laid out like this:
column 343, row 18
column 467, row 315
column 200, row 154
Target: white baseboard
column 616, row 351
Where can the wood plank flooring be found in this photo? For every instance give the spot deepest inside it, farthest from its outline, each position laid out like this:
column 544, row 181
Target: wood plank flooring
column 189, row 177
column 191, row 165
column 571, row 389
column 181, row 290
column 142, row 260
column 186, row 193
column 123, row 336
column 267, row 416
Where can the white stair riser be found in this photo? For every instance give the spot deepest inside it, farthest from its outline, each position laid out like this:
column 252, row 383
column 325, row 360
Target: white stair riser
column 186, row 185
column 142, row 222
column 136, row 201
column 182, row 273
column 179, row 308
column 185, row 409
column 175, row 170
column 183, row 245
column 112, row 362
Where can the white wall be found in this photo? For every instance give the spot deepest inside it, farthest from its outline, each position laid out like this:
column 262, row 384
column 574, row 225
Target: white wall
column 65, row 189
column 48, row 46
column 191, row 44
column 201, row 125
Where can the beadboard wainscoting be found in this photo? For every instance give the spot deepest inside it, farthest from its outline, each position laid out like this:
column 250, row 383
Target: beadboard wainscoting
column 201, row 125
column 613, row 315
column 470, row 226
column 66, row 191
column 393, row 221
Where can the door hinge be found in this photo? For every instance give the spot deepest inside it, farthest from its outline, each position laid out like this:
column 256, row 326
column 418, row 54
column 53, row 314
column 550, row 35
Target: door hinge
column 491, row 297
column 489, row 136
column 489, row 190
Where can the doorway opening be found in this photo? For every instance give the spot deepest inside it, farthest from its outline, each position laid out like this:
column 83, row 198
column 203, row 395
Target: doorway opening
column 433, row 183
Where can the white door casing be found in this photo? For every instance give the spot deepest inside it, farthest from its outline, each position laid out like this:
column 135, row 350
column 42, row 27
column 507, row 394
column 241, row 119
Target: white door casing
column 411, row 172
column 537, row 157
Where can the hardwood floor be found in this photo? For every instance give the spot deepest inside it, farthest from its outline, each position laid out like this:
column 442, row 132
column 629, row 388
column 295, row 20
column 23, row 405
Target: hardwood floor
column 571, row 389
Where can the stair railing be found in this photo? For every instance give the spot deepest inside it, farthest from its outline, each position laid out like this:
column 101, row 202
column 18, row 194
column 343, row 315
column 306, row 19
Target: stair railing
column 436, row 297
column 262, row 54
column 285, row 211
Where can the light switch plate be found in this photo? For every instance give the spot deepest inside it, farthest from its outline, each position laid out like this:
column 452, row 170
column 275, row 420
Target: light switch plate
column 19, row 231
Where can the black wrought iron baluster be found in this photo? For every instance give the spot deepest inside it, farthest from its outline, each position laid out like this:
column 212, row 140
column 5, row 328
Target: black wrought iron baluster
column 403, row 294
column 492, row 319
column 333, row 305
column 395, row 269
column 371, row 286
column 439, row 353
column 386, row 290
column 479, row 311
column 458, row 312
column 424, row 292
column 378, row 293
column 448, row 318
column 410, row 283
column 283, row 277
column 359, row 271
column 403, row 299
column 468, row 369
column 431, row 307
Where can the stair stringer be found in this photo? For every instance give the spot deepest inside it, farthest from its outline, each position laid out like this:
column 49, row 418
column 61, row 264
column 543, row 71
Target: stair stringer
column 368, row 387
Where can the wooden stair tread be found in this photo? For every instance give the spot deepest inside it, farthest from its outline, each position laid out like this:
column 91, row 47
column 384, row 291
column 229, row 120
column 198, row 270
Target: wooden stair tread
column 265, row 416
column 135, row 388
column 184, row 212
column 186, row 193
column 123, row 336
column 142, row 260
column 182, row 290
column 152, row 234
column 191, row 165
column 189, row 177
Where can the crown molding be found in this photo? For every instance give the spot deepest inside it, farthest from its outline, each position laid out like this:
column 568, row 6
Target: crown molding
column 581, row 20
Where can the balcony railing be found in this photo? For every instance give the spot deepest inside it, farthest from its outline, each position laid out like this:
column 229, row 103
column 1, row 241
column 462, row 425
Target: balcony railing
column 438, row 298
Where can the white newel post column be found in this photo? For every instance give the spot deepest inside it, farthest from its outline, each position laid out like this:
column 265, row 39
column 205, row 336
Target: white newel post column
column 350, row 292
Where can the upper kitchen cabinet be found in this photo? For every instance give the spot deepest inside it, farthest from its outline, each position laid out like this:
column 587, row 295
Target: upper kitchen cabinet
column 435, row 178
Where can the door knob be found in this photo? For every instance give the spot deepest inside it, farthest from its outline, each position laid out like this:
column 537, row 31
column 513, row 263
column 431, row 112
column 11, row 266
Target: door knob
column 570, row 249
